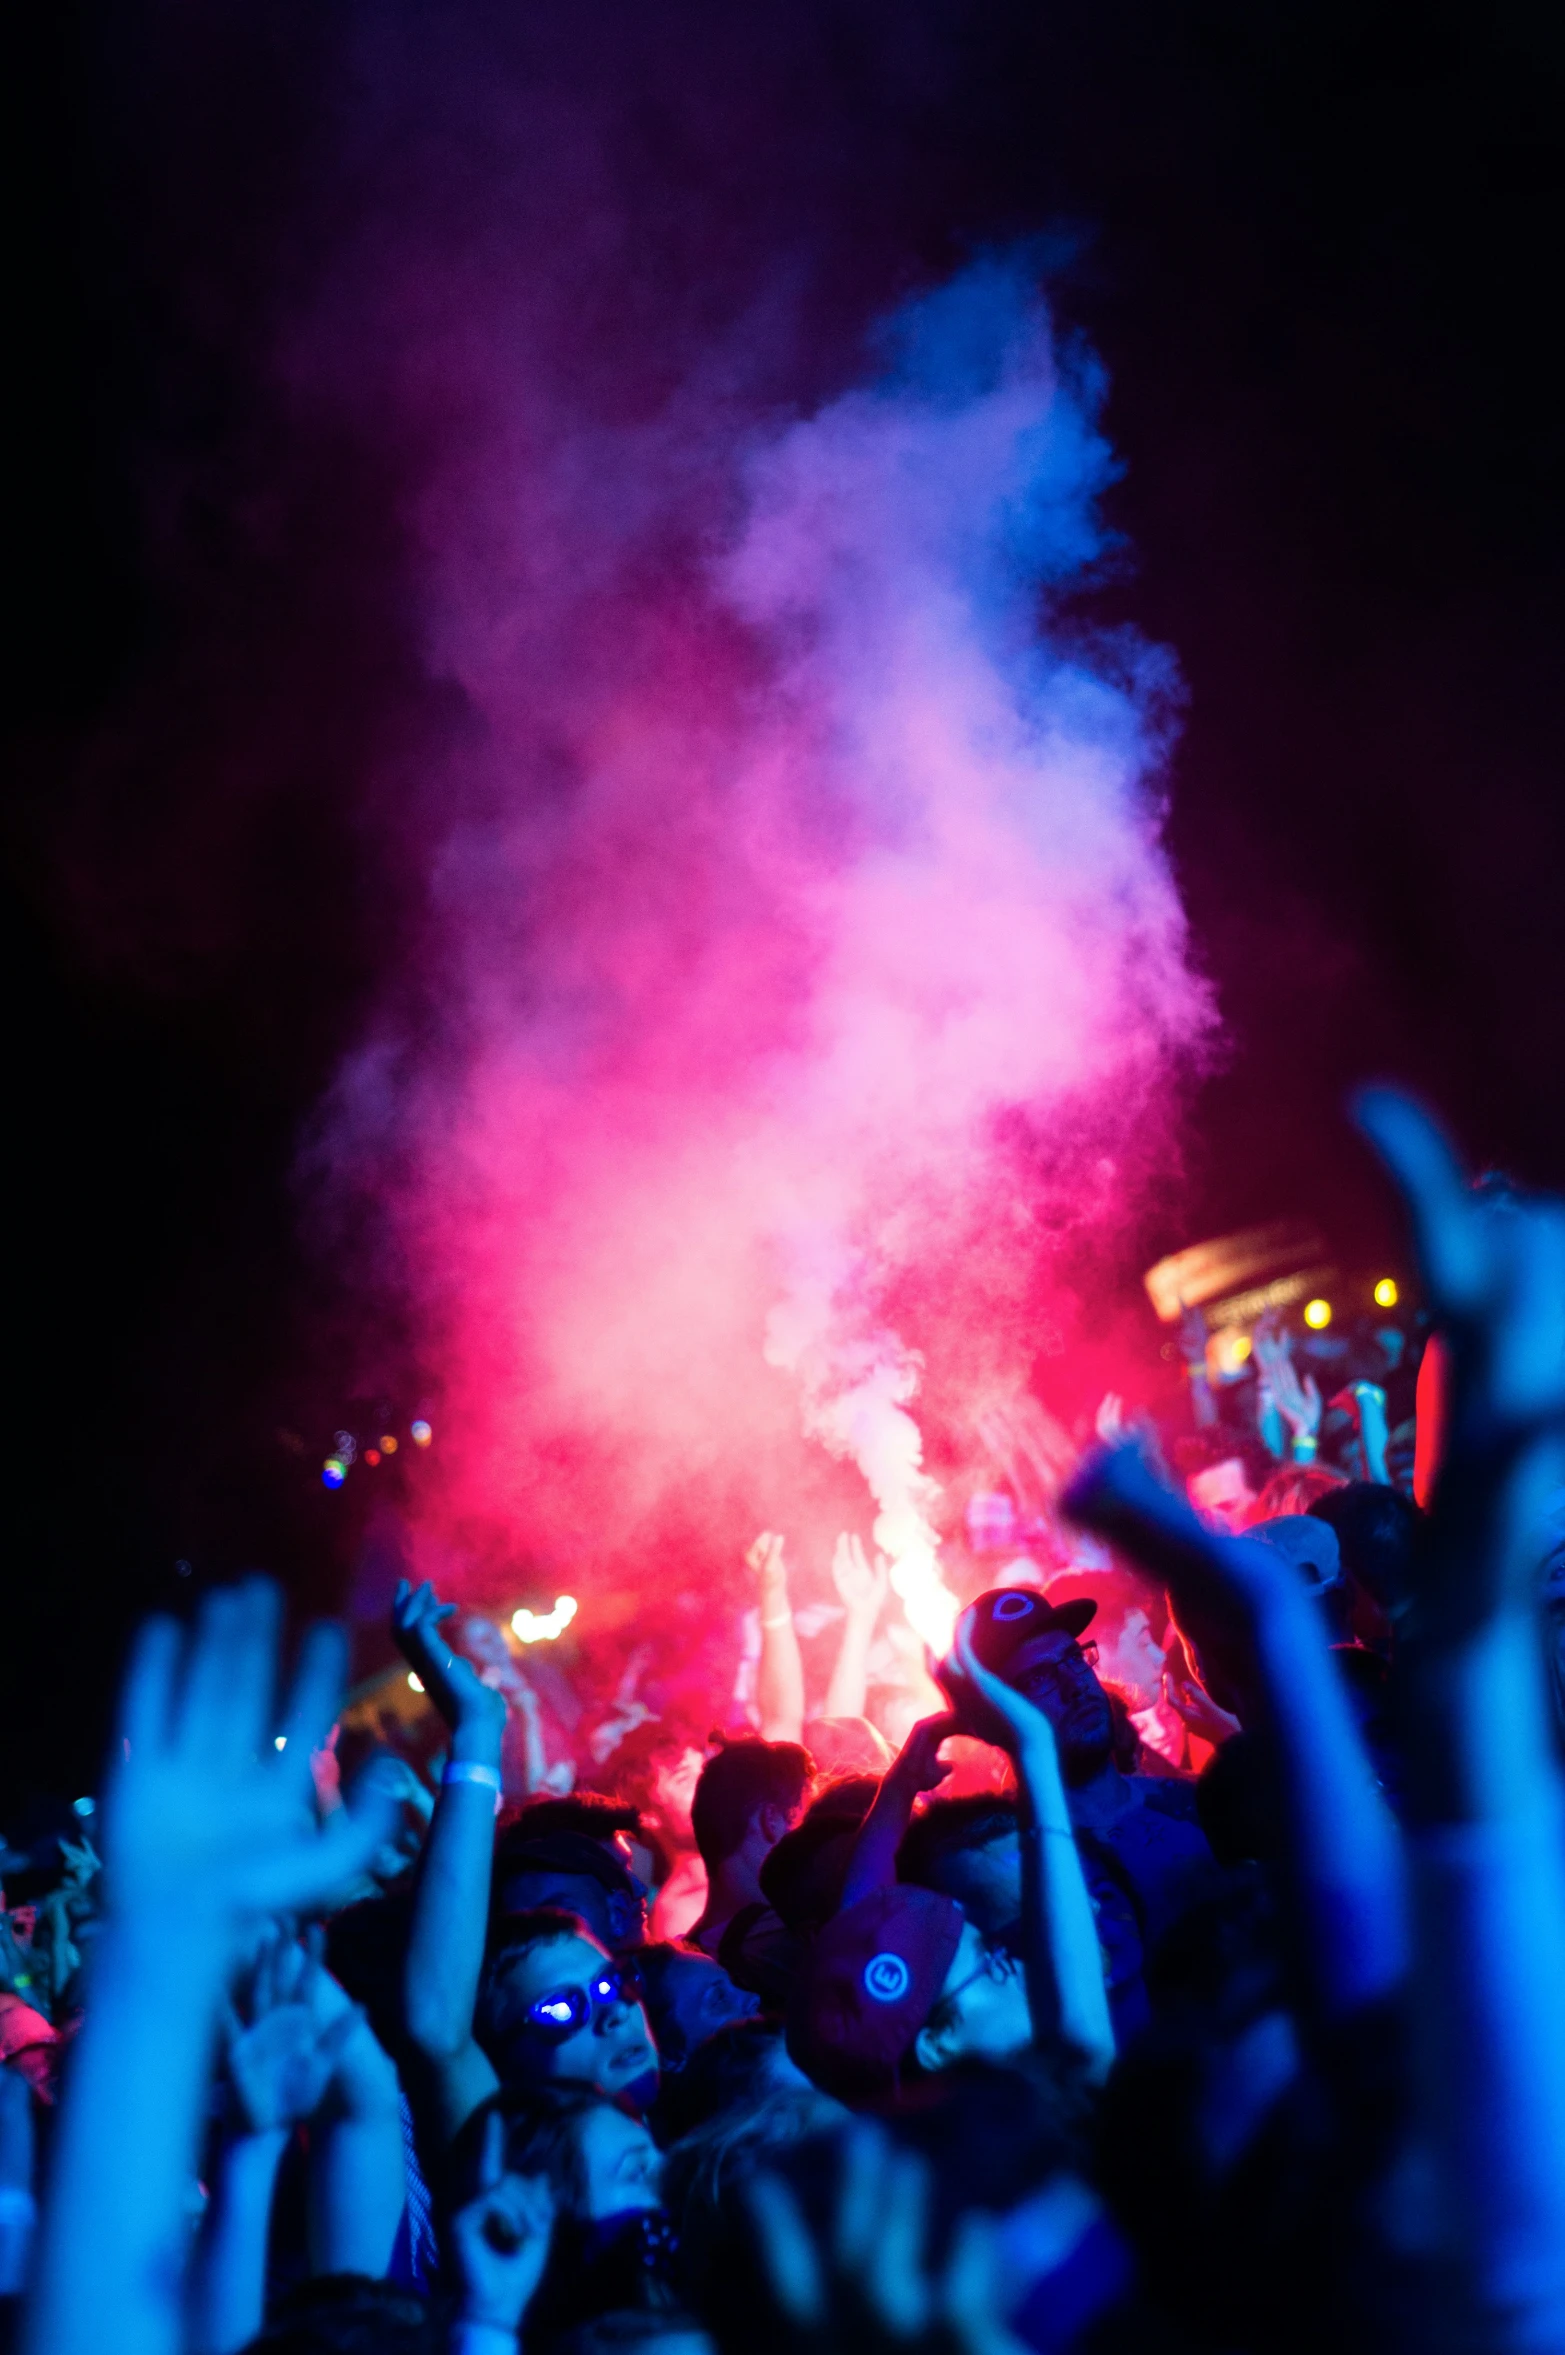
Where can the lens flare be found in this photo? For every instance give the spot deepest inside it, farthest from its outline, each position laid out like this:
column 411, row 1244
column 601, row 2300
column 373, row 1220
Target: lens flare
column 420, row 1433
column 1317, row 1315
column 1386, row 1293
column 334, row 1472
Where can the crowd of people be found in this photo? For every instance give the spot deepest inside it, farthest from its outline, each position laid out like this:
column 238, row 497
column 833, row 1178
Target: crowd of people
column 1174, row 1964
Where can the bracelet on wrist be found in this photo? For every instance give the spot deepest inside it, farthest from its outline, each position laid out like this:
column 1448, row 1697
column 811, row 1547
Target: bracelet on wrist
column 471, row 1770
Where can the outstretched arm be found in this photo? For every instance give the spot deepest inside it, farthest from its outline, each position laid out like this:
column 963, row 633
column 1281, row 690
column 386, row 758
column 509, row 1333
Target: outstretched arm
column 862, row 1590
column 1488, row 1861
column 915, row 1769
column 1065, row 1989
column 779, row 1688
column 208, row 1825
column 1344, row 1846
column 451, row 1907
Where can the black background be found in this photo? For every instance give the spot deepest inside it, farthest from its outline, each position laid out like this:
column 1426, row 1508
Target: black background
column 1319, row 250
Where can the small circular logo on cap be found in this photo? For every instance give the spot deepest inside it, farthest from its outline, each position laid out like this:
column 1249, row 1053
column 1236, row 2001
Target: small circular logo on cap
column 886, row 1978
column 1013, row 1606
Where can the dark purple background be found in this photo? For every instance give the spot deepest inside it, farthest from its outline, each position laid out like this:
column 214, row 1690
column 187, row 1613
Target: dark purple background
column 1318, row 248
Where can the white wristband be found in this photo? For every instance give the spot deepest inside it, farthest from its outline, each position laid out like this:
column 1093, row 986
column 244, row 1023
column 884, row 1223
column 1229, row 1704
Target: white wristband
column 467, row 1770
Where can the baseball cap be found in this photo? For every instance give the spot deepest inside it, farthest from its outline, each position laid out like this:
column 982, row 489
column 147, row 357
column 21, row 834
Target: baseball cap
column 867, row 1986
column 1009, row 1616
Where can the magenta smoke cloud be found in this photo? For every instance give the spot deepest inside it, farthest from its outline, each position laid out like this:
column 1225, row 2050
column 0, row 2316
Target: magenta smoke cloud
column 805, row 964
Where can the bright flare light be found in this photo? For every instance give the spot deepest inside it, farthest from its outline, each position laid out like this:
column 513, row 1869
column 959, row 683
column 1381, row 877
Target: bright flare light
column 1317, row 1314
column 420, row 1433
column 416, row 1682
column 334, row 1471
column 541, row 1627
column 1386, row 1293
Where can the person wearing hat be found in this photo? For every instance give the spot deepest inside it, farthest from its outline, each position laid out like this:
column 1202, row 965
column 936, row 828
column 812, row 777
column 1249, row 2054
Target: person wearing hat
column 899, row 1984
column 1146, row 1857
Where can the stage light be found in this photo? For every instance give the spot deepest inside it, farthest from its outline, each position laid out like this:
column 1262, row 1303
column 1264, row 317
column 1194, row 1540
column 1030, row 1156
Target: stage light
column 1317, row 1315
column 372, row 1455
column 541, row 1627
column 1241, row 1348
column 334, row 1471
column 388, row 1443
column 415, row 1683
column 84, row 1806
column 280, row 1742
column 420, row 1433
column 1386, row 1293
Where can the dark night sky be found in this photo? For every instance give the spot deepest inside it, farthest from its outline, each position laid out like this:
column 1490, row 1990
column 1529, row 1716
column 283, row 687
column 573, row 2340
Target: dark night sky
column 1319, row 250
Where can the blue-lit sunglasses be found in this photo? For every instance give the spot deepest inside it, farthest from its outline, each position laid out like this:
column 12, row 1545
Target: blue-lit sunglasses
column 570, row 2009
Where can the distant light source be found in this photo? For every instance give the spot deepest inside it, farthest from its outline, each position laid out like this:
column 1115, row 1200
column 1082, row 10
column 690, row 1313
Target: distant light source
column 1317, row 1315
column 1386, row 1293
column 334, row 1471
column 279, row 1741
column 388, row 1443
column 372, row 1455
column 415, row 1682
column 541, row 1627
column 84, row 1806
column 420, row 1433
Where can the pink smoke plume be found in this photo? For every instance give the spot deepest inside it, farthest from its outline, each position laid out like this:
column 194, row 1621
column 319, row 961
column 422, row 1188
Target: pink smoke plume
column 808, row 966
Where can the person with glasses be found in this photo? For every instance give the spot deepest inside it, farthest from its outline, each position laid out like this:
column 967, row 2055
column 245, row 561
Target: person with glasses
column 536, row 2001
column 556, row 2008
column 1145, row 1855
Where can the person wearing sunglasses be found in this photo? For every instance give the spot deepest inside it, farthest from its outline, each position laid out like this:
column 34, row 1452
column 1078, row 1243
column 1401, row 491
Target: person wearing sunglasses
column 556, row 2008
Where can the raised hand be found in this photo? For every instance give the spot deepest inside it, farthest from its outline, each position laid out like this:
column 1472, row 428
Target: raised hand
column 1493, row 1268
column 418, row 1619
column 918, row 1761
column 766, row 1558
column 1298, row 1402
column 501, row 2238
column 282, row 2039
column 209, row 1812
column 860, row 1588
column 1194, row 1704
column 985, row 1705
column 872, row 2285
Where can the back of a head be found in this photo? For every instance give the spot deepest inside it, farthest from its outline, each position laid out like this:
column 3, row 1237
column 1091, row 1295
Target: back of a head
column 349, row 2314
column 735, row 2069
column 636, row 2333
column 586, row 1813
column 946, row 1827
column 1295, row 1488
column 736, row 1784
column 1378, row 1531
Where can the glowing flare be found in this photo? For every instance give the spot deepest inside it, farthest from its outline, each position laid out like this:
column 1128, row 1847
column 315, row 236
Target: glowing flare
column 1386, row 1293
column 420, row 1433
column 928, row 1602
column 334, row 1472
column 541, row 1627
column 1317, row 1315
column 388, row 1443
column 416, row 1683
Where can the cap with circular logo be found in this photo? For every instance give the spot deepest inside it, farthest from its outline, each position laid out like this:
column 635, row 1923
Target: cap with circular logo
column 1009, row 1616
column 886, row 1978
column 867, row 1985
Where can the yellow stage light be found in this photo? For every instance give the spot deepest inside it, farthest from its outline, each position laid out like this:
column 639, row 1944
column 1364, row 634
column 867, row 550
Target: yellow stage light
column 1386, row 1293
column 1317, row 1315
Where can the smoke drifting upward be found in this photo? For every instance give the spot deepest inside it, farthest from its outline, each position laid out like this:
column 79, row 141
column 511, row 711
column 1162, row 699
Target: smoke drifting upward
column 804, row 967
